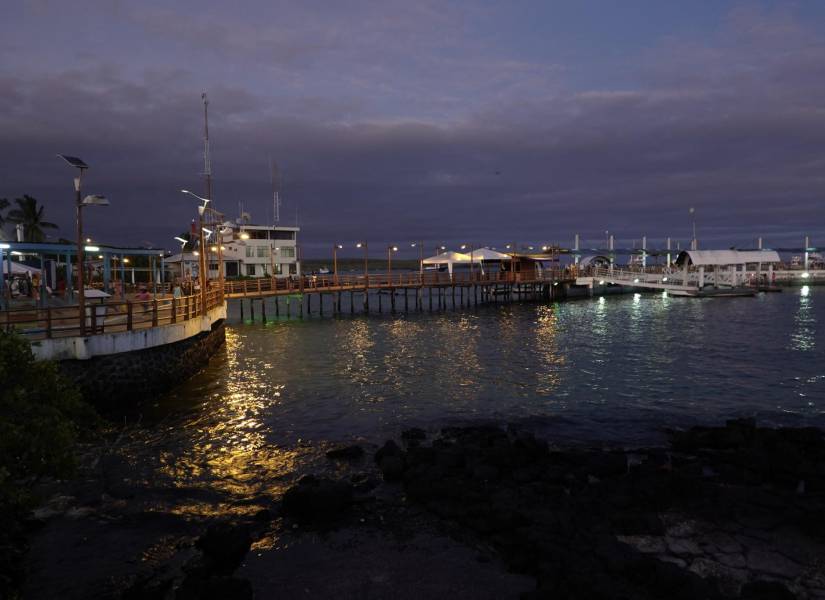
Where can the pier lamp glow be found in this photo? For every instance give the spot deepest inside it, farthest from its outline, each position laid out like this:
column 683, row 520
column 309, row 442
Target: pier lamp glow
column 4, row 246
column 420, row 246
column 335, row 249
column 366, row 270
column 203, row 275
column 805, row 275
column 390, row 250
column 181, row 240
column 80, row 202
column 91, row 248
column 244, row 235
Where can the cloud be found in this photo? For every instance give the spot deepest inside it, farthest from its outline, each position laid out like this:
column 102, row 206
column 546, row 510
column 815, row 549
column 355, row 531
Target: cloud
column 449, row 145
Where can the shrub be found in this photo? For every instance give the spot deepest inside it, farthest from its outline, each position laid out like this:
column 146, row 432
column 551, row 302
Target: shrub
column 41, row 415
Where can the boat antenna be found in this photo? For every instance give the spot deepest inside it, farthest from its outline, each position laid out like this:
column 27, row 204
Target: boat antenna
column 274, row 181
column 207, row 160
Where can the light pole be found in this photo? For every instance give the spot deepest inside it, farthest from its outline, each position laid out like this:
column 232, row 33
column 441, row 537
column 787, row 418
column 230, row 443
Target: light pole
column 420, row 246
column 390, row 250
column 202, row 274
column 366, row 274
column 694, row 245
column 94, row 200
column 335, row 249
column 183, row 243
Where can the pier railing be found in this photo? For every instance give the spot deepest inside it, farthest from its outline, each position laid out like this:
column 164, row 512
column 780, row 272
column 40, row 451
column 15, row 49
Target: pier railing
column 108, row 316
column 332, row 283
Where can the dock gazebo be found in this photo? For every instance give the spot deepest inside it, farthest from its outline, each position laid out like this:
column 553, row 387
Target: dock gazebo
column 725, row 268
column 448, row 258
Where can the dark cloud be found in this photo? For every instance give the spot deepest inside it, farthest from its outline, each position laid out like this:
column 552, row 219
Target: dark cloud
column 733, row 126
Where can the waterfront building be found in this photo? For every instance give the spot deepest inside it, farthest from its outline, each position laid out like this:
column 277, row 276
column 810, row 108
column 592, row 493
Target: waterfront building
column 258, row 251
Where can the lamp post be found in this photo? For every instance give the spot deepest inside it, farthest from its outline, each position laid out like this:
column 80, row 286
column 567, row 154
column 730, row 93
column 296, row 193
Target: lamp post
column 366, row 274
column 390, row 250
column 335, row 249
column 202, row 274
column 94, row 200
column 420, row 246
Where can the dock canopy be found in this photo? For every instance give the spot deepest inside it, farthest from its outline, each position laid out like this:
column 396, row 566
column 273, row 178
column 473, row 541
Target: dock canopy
column 594, row 260
column 705, row 258
column 481, row 254
column 448, row 258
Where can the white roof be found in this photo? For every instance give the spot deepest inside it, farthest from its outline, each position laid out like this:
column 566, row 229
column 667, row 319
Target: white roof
column 447, row 257
column 727, row 257
column 487, row 254
column 19, row 268
column 187, row 257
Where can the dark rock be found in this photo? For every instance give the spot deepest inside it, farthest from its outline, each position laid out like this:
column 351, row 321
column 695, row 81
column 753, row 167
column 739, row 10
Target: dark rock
column 485, row 472
column 317, row 500
column 214, row 588
column 766, row 590
column 345, row 452
column 224, row 546
column 414, row 434
column 390, row 448
column 392, row 468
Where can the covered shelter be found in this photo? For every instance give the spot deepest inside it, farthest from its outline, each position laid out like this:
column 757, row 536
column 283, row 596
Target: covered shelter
column 448, row 258
column 484, row 255
column 594, row 260
column 58, row 265
column 727, row 267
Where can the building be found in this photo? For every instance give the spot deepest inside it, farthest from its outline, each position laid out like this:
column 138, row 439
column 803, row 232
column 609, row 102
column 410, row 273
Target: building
column 258, row 251
column 247, row 251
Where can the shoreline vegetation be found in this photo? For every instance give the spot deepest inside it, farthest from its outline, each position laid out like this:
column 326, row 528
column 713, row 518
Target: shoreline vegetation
column 42, row 417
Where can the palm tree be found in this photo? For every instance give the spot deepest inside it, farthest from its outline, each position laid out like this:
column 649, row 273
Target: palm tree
column 30, row 216
column 4, row 204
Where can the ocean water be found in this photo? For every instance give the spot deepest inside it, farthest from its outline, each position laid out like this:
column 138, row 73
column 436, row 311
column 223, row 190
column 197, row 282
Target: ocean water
column 616, row 369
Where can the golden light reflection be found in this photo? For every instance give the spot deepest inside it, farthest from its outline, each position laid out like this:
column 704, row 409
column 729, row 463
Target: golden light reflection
column 552, row 360
column 225, row 447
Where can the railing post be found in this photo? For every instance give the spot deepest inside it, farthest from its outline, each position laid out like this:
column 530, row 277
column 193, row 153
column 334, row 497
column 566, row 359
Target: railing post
column 93, row 308
column 154, row 313
column 128, row 315
column 49, row 322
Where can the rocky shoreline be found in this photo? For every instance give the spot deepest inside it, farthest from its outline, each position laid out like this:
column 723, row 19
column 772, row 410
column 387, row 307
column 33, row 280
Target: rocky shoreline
column 484, row 512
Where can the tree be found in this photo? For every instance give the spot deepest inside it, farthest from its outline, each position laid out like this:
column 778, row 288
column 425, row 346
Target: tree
column 4, row 204
column 30, row 216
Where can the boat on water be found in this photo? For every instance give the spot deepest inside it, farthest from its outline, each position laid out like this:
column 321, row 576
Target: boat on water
column 714, row 292
column 323, row 270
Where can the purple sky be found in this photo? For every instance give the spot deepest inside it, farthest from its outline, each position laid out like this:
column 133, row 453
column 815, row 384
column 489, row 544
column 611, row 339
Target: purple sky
column 477, row 122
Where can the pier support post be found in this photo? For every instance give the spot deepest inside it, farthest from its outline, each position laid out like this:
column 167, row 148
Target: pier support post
column 263, row 309
column 392, row 300
column 277, row 307
column 241, row 302
column 251, row 310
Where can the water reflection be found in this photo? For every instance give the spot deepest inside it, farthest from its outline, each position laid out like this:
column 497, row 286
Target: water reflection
column 804, row 335
column 615, row 368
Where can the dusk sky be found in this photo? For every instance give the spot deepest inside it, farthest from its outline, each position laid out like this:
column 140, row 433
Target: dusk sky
column 477, row 122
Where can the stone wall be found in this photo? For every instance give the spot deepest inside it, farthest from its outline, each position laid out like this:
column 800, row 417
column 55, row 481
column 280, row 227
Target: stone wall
column 110, row 380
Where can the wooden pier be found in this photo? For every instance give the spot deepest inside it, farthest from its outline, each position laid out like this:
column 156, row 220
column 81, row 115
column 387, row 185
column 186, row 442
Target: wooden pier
column 388, row 292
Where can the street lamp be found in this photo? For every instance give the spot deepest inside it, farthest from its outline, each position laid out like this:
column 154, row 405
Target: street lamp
column 390, row 250
column 366, row 270
column 420, row 246
column 183, row 243
column 335, row 249
column 93, row 200
column 202, row 274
